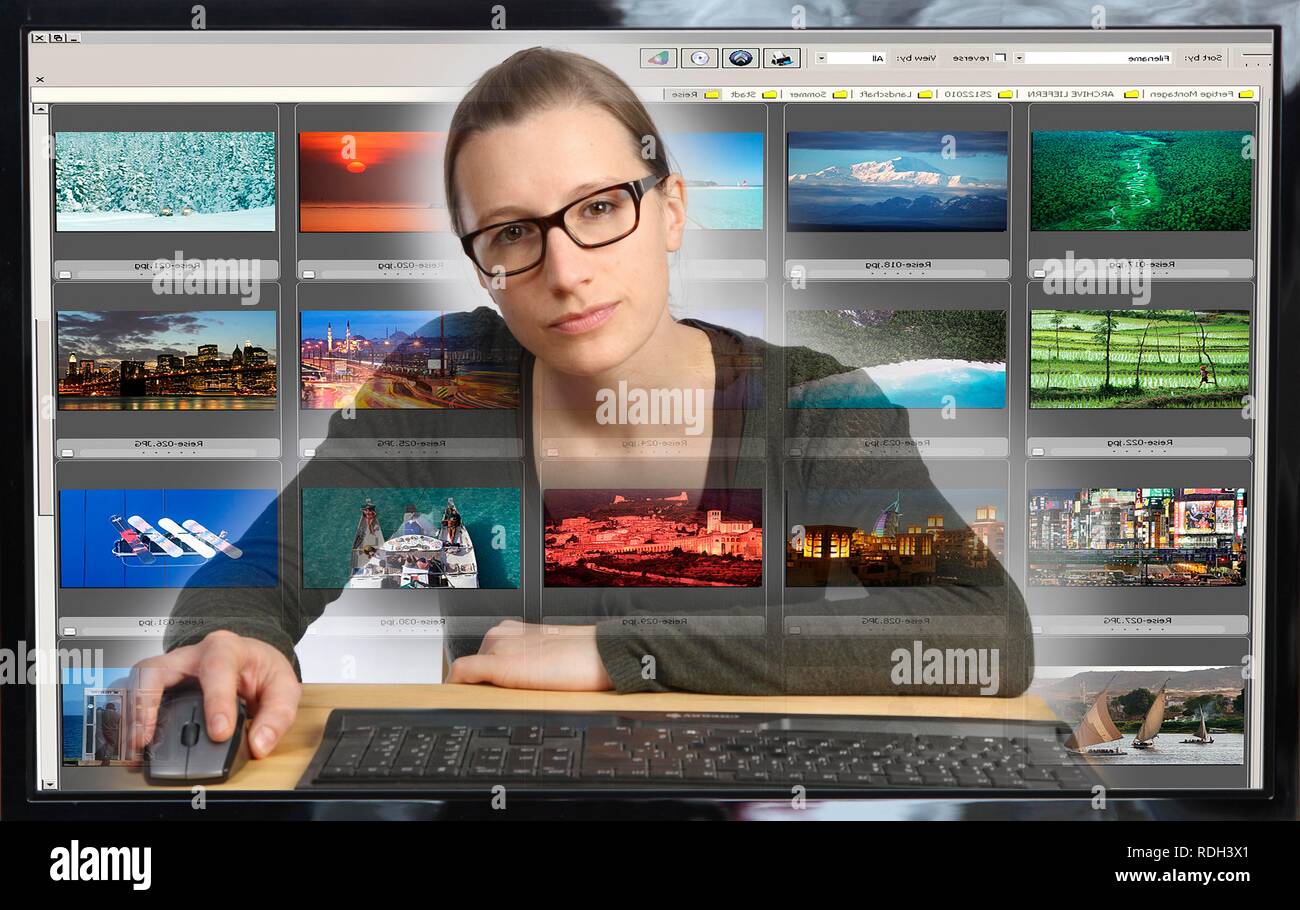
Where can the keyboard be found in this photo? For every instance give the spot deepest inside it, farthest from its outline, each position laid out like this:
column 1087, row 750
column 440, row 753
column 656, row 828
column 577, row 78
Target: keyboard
column 459, row 750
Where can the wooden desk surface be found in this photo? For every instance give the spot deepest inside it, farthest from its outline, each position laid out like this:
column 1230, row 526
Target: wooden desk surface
column 285, row 766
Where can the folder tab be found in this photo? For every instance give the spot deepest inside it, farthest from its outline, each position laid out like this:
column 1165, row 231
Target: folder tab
column 925, row 93
column 1246, row 93
column 769, row 94
column 1006, row 93
column 839, row 93
column 712, row 93
column 1132, row 93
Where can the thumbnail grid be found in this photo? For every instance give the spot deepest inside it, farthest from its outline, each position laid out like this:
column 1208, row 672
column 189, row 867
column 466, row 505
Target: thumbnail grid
column 924, row 186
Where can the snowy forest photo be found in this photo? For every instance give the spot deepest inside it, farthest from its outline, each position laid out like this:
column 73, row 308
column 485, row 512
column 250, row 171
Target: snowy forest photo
column 164, row 181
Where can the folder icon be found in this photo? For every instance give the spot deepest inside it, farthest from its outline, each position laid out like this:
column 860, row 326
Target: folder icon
column 1006, row 93
column 1132, row 93
column 839, row 93
column 769, row 94
column 1246, row 93
column 711, row 94
column 925, row 93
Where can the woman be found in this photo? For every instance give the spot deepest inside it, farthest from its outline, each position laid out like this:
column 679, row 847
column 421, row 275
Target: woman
column 570, row 226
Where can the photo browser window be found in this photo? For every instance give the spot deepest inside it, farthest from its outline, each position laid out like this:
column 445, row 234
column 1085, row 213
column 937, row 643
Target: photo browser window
column 932, row 363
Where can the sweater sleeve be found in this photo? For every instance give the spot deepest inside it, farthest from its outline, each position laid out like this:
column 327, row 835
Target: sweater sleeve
column 278, row 609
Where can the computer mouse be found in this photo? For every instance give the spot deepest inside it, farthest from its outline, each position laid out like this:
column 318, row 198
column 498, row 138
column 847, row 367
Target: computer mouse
column 182, row 751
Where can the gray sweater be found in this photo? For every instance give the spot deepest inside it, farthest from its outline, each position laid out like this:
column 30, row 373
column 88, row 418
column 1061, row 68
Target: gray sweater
column 969, row 621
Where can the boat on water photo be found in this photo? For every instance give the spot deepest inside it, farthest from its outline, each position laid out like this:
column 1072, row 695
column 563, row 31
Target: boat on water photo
column 1095, row 729
column 419, row 555
column 1155, row 717
column 1201, row 737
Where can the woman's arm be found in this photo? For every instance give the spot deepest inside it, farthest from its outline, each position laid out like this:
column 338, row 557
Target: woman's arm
column 983, row 629
column 279, row 609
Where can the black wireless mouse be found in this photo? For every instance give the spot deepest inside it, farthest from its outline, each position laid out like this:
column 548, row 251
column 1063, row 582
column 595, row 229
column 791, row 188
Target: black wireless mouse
column 181, row 750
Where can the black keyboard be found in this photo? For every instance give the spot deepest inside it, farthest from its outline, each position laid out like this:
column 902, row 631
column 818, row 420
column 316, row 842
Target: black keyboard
column 455, row 750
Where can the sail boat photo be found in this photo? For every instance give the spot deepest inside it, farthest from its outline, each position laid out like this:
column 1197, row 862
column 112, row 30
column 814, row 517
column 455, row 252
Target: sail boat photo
column 1095, row 728
column 1201, row 737
column 1132, row 706
column 1154, row 720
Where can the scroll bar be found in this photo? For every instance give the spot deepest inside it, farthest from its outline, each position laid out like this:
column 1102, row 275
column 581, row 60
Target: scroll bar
column 44, row 422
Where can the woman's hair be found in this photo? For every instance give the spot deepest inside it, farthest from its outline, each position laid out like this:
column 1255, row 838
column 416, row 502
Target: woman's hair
column 538, row 79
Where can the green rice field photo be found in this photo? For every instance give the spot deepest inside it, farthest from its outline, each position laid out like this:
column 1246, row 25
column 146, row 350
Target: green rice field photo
column 1140, row 180
column 1128, row 359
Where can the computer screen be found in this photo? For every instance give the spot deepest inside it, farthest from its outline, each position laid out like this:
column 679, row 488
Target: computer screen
column 847, row 362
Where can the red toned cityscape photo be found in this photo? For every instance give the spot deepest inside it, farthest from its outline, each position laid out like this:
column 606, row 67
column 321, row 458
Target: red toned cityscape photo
column 654, row 538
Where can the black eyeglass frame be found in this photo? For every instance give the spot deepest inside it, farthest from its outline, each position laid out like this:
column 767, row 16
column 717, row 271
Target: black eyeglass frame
column 637, row 188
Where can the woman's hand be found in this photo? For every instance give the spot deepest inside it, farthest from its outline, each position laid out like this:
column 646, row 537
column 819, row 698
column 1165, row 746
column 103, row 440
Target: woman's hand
column 518, row 655
column 227, row 666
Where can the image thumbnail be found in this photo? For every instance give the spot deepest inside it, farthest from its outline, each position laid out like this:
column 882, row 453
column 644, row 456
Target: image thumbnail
column 164, row 181
column 144, row 360
column 1148, row 359
column 918, row 537
column 1139, row 180
column 653, row 538
column 897, row 181
column 383, row 359
column 1149, row 715
column 365, row 182
column 96, row 716
column 164, row 538
column 901, row 358
column 410, row 537
column 1142, row 536
column 724, row 178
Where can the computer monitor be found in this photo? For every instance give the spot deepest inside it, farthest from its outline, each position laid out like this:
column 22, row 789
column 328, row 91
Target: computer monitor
column 1041, row 265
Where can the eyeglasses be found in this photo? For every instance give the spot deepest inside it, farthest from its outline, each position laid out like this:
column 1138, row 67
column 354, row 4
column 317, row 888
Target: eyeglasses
column 597, row 219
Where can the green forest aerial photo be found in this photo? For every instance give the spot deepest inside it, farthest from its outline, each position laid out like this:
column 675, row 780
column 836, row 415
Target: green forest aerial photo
column 1143, row 180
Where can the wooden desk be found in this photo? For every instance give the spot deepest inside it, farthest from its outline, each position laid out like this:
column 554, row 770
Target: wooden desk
column 285, row 766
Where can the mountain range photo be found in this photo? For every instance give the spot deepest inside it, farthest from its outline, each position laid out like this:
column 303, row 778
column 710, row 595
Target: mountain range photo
column 880, row 181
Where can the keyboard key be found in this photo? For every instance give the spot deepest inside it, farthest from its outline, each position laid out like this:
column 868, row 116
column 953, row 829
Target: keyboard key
column 336, row 772
column 526, row 735
column 441, row 771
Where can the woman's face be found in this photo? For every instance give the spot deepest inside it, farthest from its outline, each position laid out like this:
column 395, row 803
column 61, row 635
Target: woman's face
column 582, row 311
